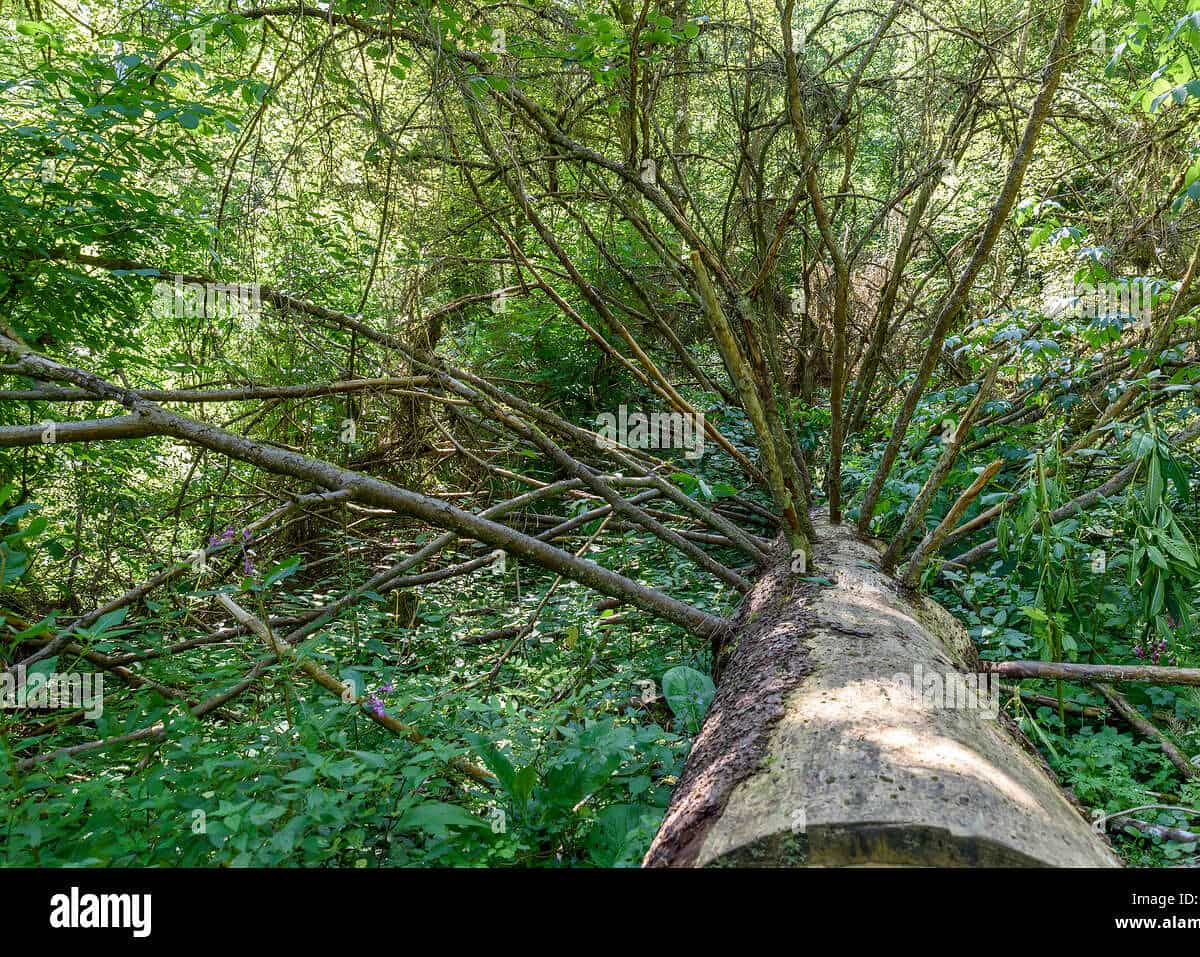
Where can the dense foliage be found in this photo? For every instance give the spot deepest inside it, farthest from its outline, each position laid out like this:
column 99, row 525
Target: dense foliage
column 462, row 233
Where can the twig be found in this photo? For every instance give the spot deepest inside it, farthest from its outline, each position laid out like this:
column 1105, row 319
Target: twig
column 329, row 682
column 1147, row 729
column 930, row 543
column 1066, row 671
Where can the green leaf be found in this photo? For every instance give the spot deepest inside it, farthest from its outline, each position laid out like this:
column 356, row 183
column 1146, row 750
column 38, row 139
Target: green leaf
column 1178, row 477
column 523, row 783
column 689, row 693
column 437, row 817
column 495, row 762
column 613, row 837
column 1180, row 549
column 32, row 28
column 570, row 783
column 1156, row 602
column 1154, row 485
column 285, row 569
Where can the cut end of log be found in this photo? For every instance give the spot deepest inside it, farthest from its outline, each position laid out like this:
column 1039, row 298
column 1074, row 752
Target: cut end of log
column 835, row 740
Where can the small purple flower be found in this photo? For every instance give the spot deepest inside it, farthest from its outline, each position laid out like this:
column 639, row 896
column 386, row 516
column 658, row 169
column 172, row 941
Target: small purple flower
column 375, row 705
column 248, row 565
column 224, row 538
column 246, row 536
column 387, row 688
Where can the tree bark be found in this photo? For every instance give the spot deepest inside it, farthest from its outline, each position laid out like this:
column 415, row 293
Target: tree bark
column 816, row 752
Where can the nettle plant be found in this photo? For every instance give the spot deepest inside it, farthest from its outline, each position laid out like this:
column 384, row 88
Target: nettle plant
column 1032, row 537
column 14, row 545
column 1163, row 563
column 1071, row 560
column 590, row 791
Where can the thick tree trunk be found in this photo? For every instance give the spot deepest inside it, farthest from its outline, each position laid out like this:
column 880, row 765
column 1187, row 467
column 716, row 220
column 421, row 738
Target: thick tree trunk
column 816, row 751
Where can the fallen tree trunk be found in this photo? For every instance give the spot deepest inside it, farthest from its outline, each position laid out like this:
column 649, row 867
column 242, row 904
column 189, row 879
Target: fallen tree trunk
column 844, row 733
